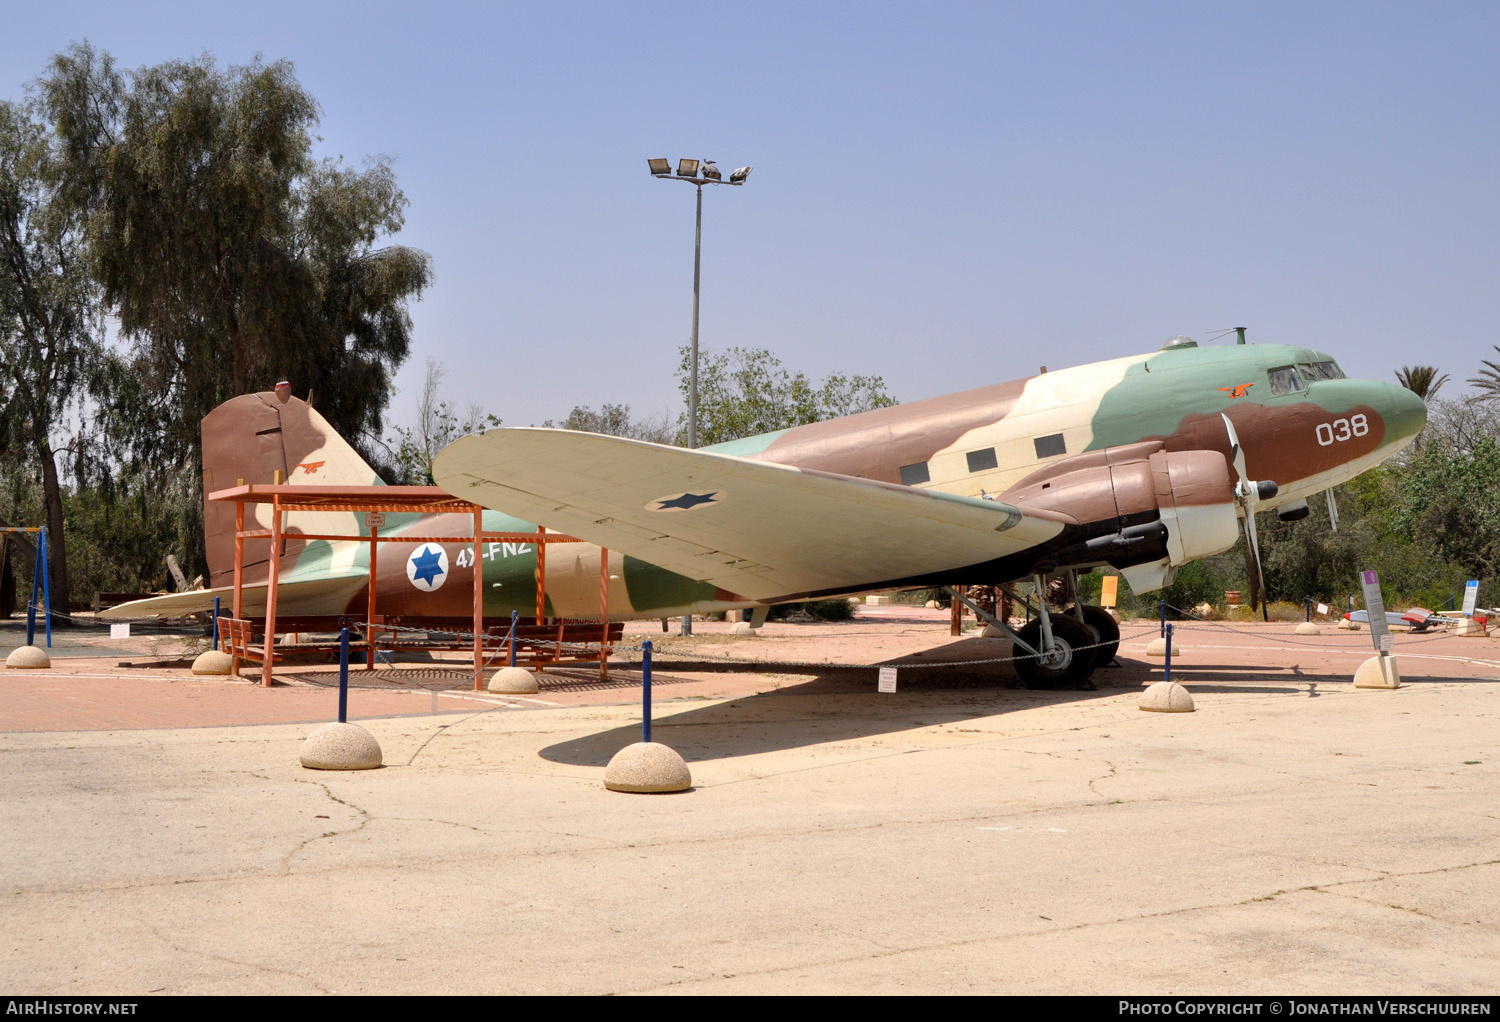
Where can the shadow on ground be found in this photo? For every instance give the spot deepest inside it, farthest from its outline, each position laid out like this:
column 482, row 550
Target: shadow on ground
column 829, row 705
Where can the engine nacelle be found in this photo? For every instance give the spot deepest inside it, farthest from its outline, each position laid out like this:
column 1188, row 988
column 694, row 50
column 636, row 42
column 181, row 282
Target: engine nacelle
column 1137, row 507
column 1196, row 499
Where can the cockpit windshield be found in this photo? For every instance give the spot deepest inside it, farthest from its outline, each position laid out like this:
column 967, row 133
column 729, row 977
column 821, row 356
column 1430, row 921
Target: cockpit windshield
column 1311, row 371
column 1285, row 380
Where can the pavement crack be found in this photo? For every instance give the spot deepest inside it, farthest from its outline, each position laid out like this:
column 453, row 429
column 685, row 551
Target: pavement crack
column 257, row 966
column 364, row 821
column 441, row 728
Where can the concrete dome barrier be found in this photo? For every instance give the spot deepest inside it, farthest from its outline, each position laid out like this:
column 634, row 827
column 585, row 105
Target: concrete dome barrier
column 213, row 661
column 514, row 681
column 28, row 658
column 1167, row 697
column 647, row 767
column 341, row 747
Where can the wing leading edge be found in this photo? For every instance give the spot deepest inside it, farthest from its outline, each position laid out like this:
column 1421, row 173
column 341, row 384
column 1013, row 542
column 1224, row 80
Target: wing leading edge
column 756, row 529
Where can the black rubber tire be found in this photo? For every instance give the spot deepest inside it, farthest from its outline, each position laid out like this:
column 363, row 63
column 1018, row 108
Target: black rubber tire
column 1074, row 669
column 1108, row 632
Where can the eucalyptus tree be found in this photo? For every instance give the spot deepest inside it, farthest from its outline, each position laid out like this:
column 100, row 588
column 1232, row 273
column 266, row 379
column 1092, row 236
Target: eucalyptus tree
column 50, row 323
column 231, row 257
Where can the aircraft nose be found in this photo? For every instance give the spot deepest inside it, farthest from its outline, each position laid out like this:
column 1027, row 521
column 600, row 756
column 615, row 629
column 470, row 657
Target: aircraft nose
column 1404, row 412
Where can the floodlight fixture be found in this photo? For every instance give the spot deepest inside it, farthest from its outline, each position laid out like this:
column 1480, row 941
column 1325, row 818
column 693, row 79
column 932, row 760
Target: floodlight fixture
column 659, row 167
column 710, row 172
column 687, row 167
column 738, row 177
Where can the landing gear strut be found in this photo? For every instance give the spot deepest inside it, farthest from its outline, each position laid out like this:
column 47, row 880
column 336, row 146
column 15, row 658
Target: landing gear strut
column 1059, row 645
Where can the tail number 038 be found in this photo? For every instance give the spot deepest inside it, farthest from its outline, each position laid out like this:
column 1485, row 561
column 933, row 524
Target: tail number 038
column 1340, row 430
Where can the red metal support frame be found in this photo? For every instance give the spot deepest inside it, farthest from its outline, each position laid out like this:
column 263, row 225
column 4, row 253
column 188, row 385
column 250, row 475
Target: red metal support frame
column 239, row 568
column 603, row 614
column 478, row 569
column 271, row 584
column 370, row 611
column 399, row 499
column 541, row 575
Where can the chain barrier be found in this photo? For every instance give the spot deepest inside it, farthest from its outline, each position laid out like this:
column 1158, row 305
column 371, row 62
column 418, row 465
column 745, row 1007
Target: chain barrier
column 1411, row 638
column 660, row 654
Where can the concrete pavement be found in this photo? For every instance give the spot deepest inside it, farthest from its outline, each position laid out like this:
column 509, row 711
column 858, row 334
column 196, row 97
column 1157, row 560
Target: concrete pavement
column 1293, row 836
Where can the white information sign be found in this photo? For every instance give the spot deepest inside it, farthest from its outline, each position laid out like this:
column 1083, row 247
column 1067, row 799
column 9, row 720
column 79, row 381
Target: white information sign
column 1387, row 643
column 120, row 631
column 1375, row 604
column 1471, row 596
column 375, row 519
column 1323, row 609
column 887, row 679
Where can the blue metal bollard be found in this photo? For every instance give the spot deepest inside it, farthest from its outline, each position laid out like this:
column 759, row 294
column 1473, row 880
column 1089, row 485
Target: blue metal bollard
column 512, row 637
column 1163, row 623
column 646, row 691
column 1307, row 608
column 1167, row 668
column 40, row 580
column 344, row 676
column 216, row 622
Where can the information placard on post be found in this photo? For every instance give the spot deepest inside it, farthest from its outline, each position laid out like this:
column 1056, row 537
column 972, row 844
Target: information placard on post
column 1109, row 593
column 1375, row 605
column 1471, row 596
column 887, row 679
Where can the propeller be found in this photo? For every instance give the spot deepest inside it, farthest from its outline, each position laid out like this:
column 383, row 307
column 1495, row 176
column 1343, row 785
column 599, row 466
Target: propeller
column 1250, row 493
column 1333, row 510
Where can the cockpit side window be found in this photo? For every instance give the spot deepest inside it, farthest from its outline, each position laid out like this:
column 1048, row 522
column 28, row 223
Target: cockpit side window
column 1286, row 380
column 1330, row 371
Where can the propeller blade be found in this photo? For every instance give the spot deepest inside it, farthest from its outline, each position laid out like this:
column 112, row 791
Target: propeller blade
column 1260, row 575
column 1237, row 455
column 1333, row 510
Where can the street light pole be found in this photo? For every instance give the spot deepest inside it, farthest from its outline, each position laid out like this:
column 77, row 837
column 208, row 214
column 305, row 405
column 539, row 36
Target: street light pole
column 693, row 379
column 687, row 170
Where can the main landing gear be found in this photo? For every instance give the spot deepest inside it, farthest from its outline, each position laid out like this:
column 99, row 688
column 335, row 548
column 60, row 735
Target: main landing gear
column 1065, row 647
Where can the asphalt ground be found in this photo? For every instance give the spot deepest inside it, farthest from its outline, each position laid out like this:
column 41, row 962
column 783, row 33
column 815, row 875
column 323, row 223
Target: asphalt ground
column 1294, row 836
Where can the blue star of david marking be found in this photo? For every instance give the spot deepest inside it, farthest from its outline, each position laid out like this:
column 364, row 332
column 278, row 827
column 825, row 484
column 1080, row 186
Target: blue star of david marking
column 687, row 501
column 425, row 566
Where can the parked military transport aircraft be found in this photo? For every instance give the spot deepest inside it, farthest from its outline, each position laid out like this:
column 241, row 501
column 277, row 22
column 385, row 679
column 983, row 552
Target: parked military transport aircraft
column 1143, row 463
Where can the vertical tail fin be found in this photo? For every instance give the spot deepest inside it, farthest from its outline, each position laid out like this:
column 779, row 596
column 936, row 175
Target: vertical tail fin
column 254, row 436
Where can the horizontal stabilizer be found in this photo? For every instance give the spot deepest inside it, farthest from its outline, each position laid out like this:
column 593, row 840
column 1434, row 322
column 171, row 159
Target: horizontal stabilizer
column 329, row 594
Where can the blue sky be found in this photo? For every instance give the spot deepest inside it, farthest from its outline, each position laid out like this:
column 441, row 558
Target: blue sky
column 945, row 194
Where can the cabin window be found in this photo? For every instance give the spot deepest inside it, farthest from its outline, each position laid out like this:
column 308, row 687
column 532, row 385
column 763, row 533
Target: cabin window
column 911, row 475
column 1285, row 380
column 982, row 461
column 1050, row 446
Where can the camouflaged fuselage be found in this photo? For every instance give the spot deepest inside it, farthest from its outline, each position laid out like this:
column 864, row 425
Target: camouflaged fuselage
column 1074, row 445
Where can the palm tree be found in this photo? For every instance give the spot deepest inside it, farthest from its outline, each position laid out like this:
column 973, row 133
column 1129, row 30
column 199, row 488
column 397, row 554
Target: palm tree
column 1488, row 380
column 1422, row 381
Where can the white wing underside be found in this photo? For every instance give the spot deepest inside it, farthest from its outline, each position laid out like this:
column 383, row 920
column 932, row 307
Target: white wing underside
column 755, row 529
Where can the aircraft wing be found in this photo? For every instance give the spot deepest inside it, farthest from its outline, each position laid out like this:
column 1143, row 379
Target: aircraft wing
column 759, row 530
column 328, row 594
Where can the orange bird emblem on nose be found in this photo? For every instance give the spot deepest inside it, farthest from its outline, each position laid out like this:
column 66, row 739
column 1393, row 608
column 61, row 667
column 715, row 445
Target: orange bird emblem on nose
column 1238, row 390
